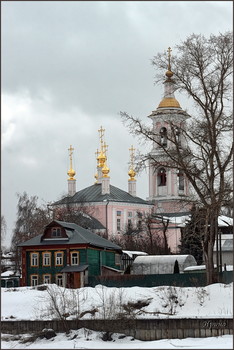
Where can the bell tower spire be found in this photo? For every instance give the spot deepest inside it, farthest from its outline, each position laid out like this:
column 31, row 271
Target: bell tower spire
column 71, row 173
column 102, row 176
column 169, row 100
column 101, row 155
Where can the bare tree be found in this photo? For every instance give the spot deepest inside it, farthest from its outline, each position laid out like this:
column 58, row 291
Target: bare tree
column 31, row 220
column 150, row 236
column 3, row 230
column 202, row 69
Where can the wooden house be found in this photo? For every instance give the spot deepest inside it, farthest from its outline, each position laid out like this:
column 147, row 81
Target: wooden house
column 66, row 254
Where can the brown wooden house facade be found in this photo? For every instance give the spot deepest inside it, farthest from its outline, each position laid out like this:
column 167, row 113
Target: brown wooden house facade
column 66, row 254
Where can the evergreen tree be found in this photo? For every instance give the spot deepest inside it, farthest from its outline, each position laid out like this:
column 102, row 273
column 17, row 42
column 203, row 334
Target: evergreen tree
column 192, row 235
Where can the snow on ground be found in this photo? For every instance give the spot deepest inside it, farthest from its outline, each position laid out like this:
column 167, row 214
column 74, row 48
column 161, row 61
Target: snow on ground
column 87, row 339
column 29, row 303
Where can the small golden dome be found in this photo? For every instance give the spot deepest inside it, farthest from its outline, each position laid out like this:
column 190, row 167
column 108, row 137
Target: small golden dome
column 101, row 159
column 71, row 172
column 132, row 174
column 169, row 102
column 169, row 74
column 105, row 171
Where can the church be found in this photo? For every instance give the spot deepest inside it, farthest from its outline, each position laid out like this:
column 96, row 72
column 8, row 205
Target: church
column 118, row 210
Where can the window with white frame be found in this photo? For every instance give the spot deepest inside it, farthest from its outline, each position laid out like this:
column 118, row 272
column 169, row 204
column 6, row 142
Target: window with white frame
column 46, row 279
column 58, row 258
column 34, row 280
column 74, row 258
column 46, row 258
column 118, row 213
column 34, row 259
column 59, row 280
column 130, row 214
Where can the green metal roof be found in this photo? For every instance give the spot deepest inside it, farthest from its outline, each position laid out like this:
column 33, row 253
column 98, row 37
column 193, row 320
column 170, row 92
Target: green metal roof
column 76, row 235
column 94, row 194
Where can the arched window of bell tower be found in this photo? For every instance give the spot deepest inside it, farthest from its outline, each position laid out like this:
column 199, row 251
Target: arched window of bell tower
column 163, row 136
column 162, row 177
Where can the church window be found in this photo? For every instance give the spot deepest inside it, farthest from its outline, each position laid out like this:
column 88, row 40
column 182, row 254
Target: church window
column 139, row 225
column 46, row 258
column 178, row 136
column 118, row 225
column 181, row 180
column 74, row 258
column 162, row 177
column 129, row 223
column 163, row 136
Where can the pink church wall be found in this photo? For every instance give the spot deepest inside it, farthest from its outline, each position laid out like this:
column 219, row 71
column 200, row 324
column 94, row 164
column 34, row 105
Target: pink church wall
column 106, row 213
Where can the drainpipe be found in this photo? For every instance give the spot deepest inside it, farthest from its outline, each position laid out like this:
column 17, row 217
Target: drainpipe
column 100, row 262
column 220, row 250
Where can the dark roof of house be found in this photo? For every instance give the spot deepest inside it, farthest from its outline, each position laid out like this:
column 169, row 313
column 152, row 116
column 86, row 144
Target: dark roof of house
column 94, row 194
column 76, row 235
column 89, row 222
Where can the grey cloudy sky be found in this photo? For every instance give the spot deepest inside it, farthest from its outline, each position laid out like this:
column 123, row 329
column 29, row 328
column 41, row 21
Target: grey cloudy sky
column 70, row 67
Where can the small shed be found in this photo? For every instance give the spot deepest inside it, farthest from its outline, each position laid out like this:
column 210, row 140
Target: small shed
column 9, row 279
column 161, row 264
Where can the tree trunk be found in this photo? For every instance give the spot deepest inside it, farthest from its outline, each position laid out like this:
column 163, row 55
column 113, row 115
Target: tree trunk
column 211, row 234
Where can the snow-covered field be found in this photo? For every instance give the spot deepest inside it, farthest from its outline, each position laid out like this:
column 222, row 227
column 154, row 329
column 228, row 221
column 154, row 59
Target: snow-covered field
column 87, row 339
column 28, row 303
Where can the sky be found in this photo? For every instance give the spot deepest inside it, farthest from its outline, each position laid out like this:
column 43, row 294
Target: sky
column 69, row 67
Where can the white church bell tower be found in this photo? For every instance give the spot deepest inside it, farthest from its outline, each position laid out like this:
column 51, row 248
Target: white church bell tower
column 167, row 185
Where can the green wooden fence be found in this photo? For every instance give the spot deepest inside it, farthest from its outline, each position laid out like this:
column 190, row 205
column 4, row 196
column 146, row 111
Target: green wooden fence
column 195, row 279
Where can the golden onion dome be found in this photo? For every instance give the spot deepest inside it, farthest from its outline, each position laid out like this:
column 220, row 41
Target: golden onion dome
column 101, row 159
column 169, row 102
column 132, row 174
column 71, row 172
column 105, row 171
